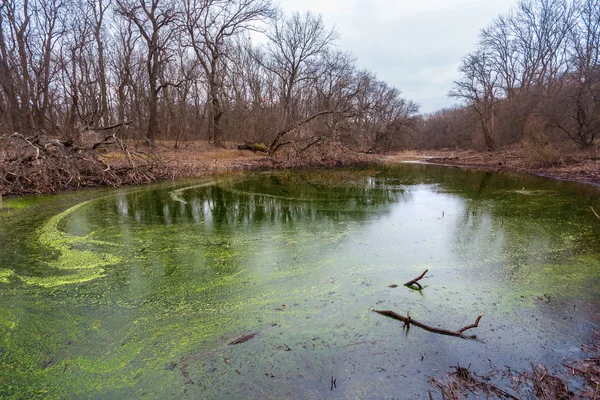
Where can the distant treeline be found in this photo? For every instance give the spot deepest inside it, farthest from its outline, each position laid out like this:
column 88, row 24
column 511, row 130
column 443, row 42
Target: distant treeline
column 534, row 77
column 217, row 70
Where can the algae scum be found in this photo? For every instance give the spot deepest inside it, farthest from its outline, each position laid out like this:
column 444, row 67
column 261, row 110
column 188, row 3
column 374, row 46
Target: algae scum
column 137, row 293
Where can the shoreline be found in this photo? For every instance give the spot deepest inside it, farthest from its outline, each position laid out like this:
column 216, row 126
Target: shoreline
column 205, row 161
column 585, row 171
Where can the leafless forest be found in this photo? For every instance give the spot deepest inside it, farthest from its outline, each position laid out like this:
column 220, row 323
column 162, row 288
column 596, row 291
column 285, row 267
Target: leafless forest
column 533, row 78
column 215, row 70
column 79, row 76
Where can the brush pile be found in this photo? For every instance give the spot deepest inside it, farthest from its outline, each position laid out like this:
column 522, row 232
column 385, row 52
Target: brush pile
column 45, row 164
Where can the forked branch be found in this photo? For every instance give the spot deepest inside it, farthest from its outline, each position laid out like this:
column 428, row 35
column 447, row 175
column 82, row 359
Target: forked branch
column 416, row 281
column 409, row 321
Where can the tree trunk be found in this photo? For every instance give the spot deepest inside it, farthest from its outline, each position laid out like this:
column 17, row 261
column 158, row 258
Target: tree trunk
column 102, row 73
column 152, row 117
column 215, row 111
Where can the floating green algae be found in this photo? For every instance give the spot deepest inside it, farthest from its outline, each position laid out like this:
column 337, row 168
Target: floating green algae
column 75, row 263
column 5, row 274
column 300, row 259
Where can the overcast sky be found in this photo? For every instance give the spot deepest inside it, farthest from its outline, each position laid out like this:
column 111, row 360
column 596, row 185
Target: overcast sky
column 414, row 45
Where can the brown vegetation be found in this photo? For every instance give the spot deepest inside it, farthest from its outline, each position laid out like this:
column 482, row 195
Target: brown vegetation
column 536, row 382
column 72, row 71
column 42, row 164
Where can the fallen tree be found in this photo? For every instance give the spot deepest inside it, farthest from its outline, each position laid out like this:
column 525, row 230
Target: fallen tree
column 409, row 321
column 276, row 143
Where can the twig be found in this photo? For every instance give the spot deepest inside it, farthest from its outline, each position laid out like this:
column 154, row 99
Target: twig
column 106, row 128
column 498, row 390
column 287, row 347
column 594, row 211
column 408, row 320
column 416, row 280
column 243, row 339
column 584, row 373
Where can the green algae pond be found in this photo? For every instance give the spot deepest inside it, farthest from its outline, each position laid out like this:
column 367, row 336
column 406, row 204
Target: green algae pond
column 138, row 292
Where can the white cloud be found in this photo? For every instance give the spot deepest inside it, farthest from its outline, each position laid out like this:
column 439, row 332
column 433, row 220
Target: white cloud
column 413, row 45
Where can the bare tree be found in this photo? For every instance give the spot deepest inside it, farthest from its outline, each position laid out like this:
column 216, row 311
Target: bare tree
column 170, row 70
column 573, row 106
column 123, row 60
column 155, row 21
column 294, row 51
column 478, row 87
column 98, row 12
column 293, row 56
column 501, row 45
column 211, row 25
column 30, row 32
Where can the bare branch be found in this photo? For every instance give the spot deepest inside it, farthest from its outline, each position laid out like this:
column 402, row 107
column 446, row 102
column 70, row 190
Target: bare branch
column 408, row 320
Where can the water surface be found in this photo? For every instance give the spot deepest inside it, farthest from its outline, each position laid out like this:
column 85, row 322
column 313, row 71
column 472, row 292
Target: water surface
column 137, row 293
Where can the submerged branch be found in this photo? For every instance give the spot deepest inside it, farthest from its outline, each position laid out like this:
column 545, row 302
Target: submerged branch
column 416, row 280
column 409, row 321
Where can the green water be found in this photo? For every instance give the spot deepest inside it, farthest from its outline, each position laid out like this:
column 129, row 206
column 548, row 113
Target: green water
column 137, row 293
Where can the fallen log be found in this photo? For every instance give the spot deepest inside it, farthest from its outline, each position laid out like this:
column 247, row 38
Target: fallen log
column 253, row 147
column 416, row 281
column 409, row 321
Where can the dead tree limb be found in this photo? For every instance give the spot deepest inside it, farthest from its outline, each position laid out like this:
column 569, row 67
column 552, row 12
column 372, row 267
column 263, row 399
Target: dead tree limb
column 275, row 144
column 408, row 320
column 292, row 143
column 416, row 280
column 41, row 163
column 107, row 128
column 312, row 143
column 254, row 147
